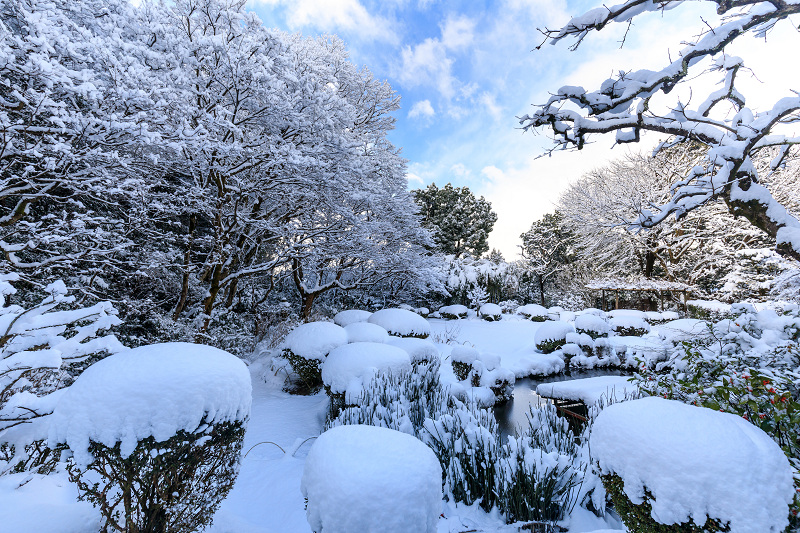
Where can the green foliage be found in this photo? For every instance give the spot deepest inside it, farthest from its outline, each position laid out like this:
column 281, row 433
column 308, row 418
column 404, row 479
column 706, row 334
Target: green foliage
column 451, row 316
column 550, row 345
column 460, row 221
column 172, row 486
column 638, row 518
column 461, row 370
column 630, row 331
column 308, row 371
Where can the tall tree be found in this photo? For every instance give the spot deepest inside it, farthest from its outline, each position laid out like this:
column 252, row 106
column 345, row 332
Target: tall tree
column 547, row 248
column 460, row 221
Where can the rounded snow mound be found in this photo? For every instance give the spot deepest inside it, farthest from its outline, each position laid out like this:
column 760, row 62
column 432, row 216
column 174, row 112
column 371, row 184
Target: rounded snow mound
column 591, row 324
column 457, row 310
column 419, row 350
column 401, row 322
column 463, row 354
column 366, row 332
column 347, row 367
column 531, row 310
column 552, row 331
column 696, row 463
column 315, row 339
column 154, row 390
column 629, row 324
column 492, row 310
column 366, row 478
column 614, row 313
column 351, row 316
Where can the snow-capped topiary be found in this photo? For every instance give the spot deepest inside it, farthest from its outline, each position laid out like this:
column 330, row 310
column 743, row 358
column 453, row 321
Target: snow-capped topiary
column 653, row 317
column 627, row 312
column 491, row 312
column 453, row 312
column 534, row 312
column 363, row 478
column 151, row 422
column 306, row 347
column 629, row 325
column 669, row 315
column 462, row 358
column 591, row 325
column 347, row 367
column 552, row 335
column 670, row 465
column 351, row 316
column 420, row 350
column 567, row 316
column 366, row 332
column 401, row 323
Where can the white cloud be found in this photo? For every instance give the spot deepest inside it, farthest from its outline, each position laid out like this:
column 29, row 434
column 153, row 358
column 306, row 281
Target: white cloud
column 460, row 170
column 336, row 15
column 413, row 178
column 458, row 32
column 421, row 109
column 427, row 64
column 489, row 102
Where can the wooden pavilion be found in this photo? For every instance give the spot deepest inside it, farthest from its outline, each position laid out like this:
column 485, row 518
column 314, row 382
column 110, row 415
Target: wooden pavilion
column 671, row 290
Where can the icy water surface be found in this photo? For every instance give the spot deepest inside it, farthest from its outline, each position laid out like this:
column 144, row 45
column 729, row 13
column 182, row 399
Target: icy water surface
column 514, row 413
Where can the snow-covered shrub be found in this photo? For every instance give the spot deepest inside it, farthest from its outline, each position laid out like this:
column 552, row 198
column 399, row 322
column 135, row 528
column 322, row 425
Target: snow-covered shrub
column 454, row 312
column 490, row 312
column 421, row 351
column 366, row 478
column 551, row 336
column 534, row 312
column 366, row 332
column 348, row 367
column 155, row 434
column 351, row 316
column 422, row 311
column 306, row 347
column 629, row 326
column 708, row 309
column 662, row 462
column 462, row 358
column 509, row 307
column 591, row 325
column 42, row 349
column 401, row 323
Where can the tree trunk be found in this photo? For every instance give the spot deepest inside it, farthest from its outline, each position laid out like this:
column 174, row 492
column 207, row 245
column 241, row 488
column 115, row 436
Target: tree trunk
column 307, row 305
column 187, row 261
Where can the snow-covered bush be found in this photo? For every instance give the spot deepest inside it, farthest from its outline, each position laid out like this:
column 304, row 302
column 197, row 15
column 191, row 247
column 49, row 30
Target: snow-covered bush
column 366, row 478
column 306, row 347
column 663, row 461
column 591, row 325
column 155, row 434
column 490, row 312
column 534, row 312
column 552, row 335
column 629, row 326
column 509, row 307
column 421, row 351
column 42, row 349
column 366, row 332
column 462, row 358
column 347, row 368
column 401, row 323
column 453, row 312
column 708, row 309
column 350, row 316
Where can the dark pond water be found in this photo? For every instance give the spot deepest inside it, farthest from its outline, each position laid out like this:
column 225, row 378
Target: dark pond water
column 513, row 414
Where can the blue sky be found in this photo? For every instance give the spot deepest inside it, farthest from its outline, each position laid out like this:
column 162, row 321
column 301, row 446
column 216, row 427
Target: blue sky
column 467, row 69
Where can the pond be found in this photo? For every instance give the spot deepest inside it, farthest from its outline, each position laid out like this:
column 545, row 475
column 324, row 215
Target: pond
column 513, row 414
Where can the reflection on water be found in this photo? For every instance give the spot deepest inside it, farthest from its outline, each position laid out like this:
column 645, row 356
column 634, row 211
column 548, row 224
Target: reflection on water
column 513, row 414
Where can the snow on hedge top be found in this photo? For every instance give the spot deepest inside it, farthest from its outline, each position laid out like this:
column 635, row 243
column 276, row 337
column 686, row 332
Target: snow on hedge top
column 463, row 354
column 367, row 478
column 348, row 366
column 491, row 310
column 552, row 331
column 418, row 349
column 315, row 339
column 455, row 310
column 695, row 462
column 154, row 390
column 366, row 332
column 401, row 322
column 588, row 390
column 351, row 316
column 614, row 313
column 591, row 323
column 532, row 310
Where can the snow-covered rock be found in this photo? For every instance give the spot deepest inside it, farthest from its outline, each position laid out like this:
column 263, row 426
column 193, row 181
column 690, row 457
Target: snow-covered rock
column 420, row 350
column 366, row 332
column 588, row 390
column 696, row 463
column 315, row 340
column 369, row 479
column 351, row 316
column 491, row 312
column 401, row 322
column 550, row 334
column 453, row 312
column 154, row 390
column 592, row 325
column 347, row 367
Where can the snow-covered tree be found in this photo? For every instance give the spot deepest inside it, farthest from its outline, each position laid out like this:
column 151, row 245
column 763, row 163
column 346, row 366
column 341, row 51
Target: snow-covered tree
column 548, row 247
column 625, row 105
column 460, row 221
